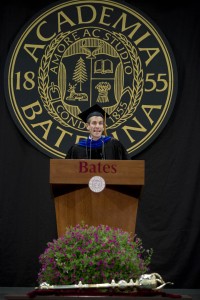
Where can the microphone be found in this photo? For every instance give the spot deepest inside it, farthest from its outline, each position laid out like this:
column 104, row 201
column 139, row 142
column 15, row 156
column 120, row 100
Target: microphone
column 103, row 149
column 90, row 147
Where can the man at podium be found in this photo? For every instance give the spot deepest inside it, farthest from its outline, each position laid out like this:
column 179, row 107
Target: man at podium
column 97, row 145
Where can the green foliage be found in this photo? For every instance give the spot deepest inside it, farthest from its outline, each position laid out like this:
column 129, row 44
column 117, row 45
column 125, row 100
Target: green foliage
column 93, row 255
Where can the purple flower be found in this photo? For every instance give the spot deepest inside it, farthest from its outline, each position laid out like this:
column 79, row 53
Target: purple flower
column 93, row 255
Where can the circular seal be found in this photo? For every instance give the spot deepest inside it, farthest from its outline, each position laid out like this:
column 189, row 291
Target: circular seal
column 76, row 53
column 97, row 184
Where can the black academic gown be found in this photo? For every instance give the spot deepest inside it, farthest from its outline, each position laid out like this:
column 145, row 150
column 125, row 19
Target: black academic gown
column 112, row 149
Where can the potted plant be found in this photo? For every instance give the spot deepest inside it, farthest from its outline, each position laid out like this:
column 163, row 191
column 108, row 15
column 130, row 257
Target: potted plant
column 93, row 254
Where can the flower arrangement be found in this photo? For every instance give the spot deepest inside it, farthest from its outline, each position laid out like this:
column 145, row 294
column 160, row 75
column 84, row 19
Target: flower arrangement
column 93, row 255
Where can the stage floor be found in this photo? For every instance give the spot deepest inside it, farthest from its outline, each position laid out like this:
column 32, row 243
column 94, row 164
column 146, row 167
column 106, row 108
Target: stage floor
column 194, row 293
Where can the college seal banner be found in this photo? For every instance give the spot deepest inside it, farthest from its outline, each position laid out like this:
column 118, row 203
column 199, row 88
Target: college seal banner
column 74, row 54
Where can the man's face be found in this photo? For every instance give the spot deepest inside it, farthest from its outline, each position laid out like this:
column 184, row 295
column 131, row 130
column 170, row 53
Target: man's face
column 95, row 126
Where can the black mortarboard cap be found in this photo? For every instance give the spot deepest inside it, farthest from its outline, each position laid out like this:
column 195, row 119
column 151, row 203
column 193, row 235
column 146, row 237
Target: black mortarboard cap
column 92, row 111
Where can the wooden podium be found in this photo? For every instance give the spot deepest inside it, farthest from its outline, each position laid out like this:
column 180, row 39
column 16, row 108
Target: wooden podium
column 75, row 202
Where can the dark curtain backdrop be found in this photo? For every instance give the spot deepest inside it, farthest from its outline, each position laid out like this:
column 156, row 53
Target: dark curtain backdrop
column 169, row 208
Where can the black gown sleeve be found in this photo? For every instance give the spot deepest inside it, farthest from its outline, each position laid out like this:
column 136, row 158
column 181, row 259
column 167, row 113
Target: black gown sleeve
column 120, row 151
column 76, row 152
column 114, row 149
